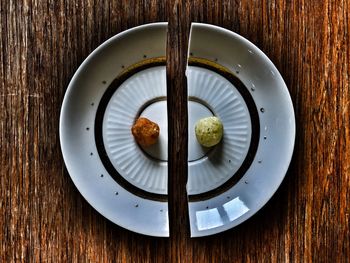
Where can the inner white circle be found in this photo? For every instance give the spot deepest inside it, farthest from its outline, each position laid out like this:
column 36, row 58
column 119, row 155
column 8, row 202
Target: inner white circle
column 131, row 162
column 222, row 161
column 155, row 112
column 196, row 111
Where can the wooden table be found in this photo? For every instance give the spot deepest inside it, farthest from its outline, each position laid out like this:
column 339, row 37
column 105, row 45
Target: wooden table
column 43, row 218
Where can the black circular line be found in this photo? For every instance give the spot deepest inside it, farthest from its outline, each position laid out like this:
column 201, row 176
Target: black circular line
column 253, row 111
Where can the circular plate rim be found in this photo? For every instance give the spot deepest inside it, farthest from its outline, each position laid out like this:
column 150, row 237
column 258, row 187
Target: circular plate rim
column 162, row 230
column 198, row 206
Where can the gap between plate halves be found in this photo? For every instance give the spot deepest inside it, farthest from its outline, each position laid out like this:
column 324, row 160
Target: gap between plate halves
column 177, row 43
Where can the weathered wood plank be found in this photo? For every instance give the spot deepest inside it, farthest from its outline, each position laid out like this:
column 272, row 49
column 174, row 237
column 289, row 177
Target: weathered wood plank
column 44, row 218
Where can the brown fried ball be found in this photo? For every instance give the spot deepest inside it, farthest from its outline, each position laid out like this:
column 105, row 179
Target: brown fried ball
column 146, row 132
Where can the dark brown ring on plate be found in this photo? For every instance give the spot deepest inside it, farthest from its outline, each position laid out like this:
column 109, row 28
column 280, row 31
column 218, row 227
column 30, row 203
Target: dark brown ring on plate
column 160, row 61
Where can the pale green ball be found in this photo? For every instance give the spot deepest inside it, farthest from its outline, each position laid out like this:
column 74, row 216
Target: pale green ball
column 209, row 131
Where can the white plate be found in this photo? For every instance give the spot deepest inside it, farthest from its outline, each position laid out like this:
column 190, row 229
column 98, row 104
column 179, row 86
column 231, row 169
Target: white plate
column 77, row 130
column 275, row 141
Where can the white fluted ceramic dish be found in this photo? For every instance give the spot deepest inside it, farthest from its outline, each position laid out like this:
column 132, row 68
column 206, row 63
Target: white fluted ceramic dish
column 78, row 118
column 145, row 171
column 274, row 140
column 211, row 94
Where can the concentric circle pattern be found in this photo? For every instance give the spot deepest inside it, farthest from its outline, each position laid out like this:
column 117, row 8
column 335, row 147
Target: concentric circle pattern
column 130, row 161
column 228, row 183
column 225, row 101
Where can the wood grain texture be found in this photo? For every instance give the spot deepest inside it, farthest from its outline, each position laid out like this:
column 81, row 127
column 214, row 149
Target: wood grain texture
column 43, row 218
column 178, row 34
